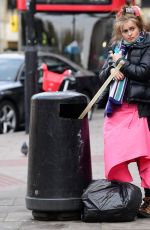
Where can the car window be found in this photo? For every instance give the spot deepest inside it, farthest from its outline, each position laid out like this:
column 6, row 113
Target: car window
column 22, row 75
column 56, row 65
column 9, row 68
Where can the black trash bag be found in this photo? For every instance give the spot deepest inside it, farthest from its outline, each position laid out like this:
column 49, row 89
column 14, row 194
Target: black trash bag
column 110, row 201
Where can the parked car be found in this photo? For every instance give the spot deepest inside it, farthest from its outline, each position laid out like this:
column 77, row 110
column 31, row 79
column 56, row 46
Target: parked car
column 12, row 76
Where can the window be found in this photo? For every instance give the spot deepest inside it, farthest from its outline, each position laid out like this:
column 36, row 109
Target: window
column 56, row 65
column 9, row 74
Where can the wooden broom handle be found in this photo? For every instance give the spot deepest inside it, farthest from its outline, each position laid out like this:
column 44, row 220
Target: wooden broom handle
column 103, row 87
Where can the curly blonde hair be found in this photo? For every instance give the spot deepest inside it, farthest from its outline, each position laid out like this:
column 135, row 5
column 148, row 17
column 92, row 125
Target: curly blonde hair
column 125, row 14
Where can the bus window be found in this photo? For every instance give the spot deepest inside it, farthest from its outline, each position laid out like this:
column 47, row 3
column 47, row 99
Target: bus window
column 99, row 43
column 82, row 38
column 79, row 29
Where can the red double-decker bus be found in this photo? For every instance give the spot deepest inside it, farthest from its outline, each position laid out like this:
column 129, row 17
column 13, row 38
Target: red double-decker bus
column 85, row 25
column 75, row 5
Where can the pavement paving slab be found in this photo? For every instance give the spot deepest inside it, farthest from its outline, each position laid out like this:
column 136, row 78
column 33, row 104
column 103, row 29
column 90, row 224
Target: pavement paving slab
column 13, row 184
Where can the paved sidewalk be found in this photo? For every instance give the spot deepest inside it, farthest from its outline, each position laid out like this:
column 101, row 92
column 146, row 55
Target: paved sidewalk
column 13, row 178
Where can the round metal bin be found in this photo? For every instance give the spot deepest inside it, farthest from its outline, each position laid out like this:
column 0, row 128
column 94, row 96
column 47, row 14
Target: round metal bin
column 59, row 162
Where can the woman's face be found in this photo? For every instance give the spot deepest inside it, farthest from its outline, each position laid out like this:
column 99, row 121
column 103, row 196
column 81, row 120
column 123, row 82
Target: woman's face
column 130, row 31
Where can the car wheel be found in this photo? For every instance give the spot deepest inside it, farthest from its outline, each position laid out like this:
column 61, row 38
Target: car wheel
column 8, row 117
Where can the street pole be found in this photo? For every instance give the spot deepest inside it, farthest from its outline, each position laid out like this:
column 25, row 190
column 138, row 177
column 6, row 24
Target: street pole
column 31, row 84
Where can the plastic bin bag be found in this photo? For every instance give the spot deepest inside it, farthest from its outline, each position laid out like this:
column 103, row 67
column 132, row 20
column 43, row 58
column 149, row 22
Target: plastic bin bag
column 110, row 201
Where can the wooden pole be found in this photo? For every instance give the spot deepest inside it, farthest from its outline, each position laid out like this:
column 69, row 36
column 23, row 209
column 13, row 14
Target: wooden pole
column 103, row 87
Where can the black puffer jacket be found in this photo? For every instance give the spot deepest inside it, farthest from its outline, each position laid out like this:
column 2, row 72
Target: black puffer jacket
column 136, row 69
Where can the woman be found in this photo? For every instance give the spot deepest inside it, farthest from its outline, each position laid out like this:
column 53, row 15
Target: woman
column 127, row 113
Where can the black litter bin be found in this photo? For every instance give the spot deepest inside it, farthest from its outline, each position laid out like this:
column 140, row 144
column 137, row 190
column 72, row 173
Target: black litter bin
column 59, row 163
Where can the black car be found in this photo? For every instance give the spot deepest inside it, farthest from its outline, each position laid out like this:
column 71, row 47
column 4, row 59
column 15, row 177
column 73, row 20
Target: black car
column 12, row 75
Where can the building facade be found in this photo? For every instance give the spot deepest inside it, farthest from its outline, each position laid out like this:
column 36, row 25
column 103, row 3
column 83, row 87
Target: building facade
column 9, row 26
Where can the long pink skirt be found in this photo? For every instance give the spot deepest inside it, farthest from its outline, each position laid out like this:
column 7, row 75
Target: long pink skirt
column 126, row 140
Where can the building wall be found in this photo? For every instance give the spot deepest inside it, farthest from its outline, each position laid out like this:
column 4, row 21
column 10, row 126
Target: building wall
column 8, row 28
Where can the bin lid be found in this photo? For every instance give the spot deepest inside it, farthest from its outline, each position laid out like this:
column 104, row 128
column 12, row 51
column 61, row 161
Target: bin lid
column 64, row 96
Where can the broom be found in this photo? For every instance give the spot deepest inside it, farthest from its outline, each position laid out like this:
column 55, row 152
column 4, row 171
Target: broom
column 103, row 87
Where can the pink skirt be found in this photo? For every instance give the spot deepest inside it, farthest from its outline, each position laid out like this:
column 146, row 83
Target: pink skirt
column 126, row 140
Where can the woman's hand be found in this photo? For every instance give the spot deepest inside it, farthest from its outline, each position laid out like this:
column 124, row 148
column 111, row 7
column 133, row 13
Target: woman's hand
column 116, row 56
column 118, row 76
